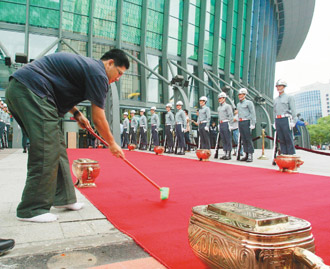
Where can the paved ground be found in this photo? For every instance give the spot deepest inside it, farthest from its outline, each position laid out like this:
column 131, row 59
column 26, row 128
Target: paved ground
column 85, row 238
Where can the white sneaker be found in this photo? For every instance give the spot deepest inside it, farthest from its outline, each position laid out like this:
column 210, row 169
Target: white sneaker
column 75, row 206
column 47, row 217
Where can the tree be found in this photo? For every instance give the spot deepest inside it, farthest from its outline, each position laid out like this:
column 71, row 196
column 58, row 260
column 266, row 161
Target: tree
column 320, row 132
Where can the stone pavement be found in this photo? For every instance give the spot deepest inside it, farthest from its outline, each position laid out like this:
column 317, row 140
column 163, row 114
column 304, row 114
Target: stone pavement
column 83, row 239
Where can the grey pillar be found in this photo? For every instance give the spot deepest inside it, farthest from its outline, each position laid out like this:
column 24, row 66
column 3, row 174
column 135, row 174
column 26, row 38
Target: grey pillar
column 239, row 40
column 112, row 112
column 260, row 51
column 27, row 24
column 230, row 13
column 247, row 43
column 143, row 54
column 165, row 49
column 201, row 45
column 90, row 30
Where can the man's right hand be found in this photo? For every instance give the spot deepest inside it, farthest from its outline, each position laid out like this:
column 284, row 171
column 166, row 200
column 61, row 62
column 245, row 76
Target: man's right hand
column 116, row 150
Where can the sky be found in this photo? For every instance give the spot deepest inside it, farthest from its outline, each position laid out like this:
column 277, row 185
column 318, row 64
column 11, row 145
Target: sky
column 312, row 63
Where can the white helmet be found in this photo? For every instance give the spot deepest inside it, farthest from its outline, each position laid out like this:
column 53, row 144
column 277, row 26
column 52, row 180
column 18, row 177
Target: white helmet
column 5, row 105
column 169, row 105
column 243, row 91
column 142, row 110
column 203, row 98
column 133, row 111
column 126, row 113
column 222, row 95
column 281, row 82
column 179, row 103
column 153, row 108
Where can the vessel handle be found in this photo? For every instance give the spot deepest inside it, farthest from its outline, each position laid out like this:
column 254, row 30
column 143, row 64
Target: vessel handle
column 309, row 259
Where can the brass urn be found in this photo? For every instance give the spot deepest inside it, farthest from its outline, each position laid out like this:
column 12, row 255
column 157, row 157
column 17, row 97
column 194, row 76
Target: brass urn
column 288, row 163
column 203, row 154
column 159, row 150
column 233, row 235
column 86, row 171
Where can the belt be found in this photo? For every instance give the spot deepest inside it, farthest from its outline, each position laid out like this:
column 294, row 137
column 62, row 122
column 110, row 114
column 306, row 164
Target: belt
column 142, row 125
column 168, row 124
column 153, row 124
column 282, row 116
column 178, row 123
column 241, row 119
column 222, row 121
column 205, row 121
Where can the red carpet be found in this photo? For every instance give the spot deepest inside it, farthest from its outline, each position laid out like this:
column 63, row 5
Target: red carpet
column 161, row 227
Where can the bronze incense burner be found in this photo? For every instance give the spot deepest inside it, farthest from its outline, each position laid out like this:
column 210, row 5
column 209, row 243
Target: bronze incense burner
column 233, row 235
column 288, row 163
column 86, row 171
column 159, row 150
column 203, row 154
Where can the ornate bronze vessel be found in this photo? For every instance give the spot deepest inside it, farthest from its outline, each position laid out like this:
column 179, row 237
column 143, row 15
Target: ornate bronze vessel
column 233, row 235
column 203, row 154
column 288, row 163
column 86, row 171
column 159, row 150
column 131, row 146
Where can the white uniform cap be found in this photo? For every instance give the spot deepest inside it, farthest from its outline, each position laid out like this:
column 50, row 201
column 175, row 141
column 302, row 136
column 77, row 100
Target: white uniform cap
column 243, row 91
column 179, row 103
column 203, row 98
column 281, row 82
column 222, row 94
column 153, row 108
column 169, row 105
column 133, row 111
column 125, row 113
column 142, row 110
column 5, row 105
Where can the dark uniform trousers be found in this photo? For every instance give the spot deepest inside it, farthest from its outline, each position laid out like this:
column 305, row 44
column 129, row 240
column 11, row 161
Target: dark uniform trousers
column 126, row 138
column 180, row 136
column 169, row 136
column 245, row 132
column 133, row 136
column 49, row 179
column 143, row 137
column 2, row 131
column 225, row 136
column 285, row 136
column 154, row 134
column 204, row 136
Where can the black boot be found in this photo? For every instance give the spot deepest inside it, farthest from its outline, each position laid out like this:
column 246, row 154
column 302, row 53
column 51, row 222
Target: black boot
column 250, row 158
column 245, row 158
column 224, row 156
column 228, row 155
column 5, row 245
column 181, row 152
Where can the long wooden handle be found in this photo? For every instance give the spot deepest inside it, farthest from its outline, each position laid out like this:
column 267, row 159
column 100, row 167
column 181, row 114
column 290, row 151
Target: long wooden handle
column 124, row 159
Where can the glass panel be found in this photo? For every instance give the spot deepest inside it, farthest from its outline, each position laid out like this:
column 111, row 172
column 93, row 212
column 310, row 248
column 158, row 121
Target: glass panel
column 13, row 13
column 104, row 28
column 99, row 50
column 131, row 81
column 78, row 7
column 44, row 17
column 14, row 42
column 132, row 14
column 174, row 28
column 131, row 34
column 55, row 4
column 38, row 43
column 156, row 5
column 154, row 40
column 80, row 46
column 75, row 23
column 155, row 21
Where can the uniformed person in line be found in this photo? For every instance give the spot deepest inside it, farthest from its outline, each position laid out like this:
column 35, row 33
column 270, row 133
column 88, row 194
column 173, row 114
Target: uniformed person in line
column 155, row 123
column 180, row 127
column 125, row 130
column 213, row 134
column 143, row 123
column 169, row 125
column 2, row 125
column 134, row 125
column 285, row 118
column 7, row 124
column 204, row 124
column 247, row 122
column 225, row 113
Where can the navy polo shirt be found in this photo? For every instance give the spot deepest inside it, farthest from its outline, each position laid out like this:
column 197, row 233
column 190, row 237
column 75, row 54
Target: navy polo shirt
column 66, row 79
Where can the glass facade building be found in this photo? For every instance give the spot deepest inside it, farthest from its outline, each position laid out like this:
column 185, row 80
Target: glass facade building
column 211, row 43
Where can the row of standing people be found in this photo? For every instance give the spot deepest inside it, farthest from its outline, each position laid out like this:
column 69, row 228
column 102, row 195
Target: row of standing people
column 241, row 125
column 4, row 124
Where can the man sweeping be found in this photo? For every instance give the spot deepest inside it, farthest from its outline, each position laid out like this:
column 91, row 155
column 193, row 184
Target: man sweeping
column 38, row 96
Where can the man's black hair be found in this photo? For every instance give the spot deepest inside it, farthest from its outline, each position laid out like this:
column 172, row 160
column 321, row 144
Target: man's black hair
column 118, row 56
column 186, row 110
